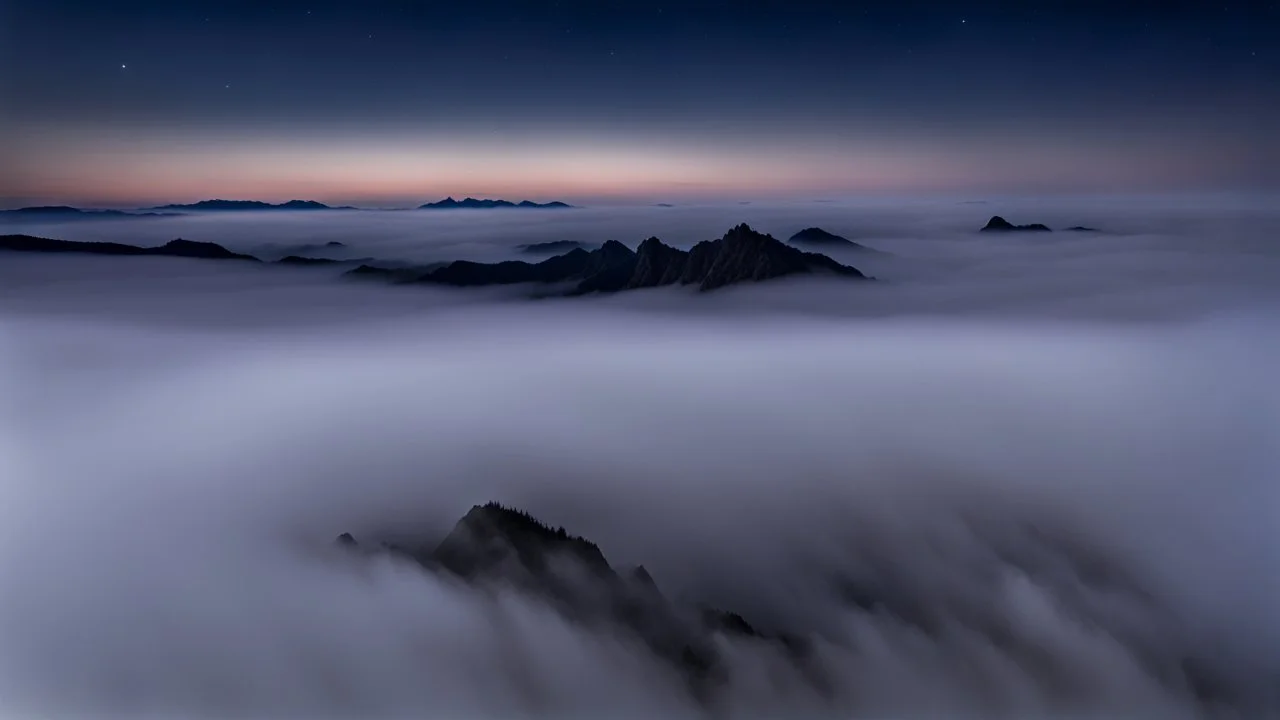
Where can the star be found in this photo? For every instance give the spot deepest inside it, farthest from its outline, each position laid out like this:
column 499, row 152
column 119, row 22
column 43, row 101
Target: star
column 123, row 66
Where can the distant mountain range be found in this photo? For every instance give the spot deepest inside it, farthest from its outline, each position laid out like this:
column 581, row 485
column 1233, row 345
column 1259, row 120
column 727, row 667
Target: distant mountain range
column 999, row 224
column 65, row 212
column 742, row 255
column 173, row 248
column 252, row 205
column 485, row 204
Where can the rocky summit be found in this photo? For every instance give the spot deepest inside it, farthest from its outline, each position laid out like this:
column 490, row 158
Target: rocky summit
column 741, row 255
column 496, row 546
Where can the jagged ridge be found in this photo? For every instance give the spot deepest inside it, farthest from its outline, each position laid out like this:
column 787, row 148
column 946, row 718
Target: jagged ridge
column 742, row 255
column 486, row 204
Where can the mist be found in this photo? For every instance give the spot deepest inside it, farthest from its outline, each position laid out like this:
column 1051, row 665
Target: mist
column 1053, row 458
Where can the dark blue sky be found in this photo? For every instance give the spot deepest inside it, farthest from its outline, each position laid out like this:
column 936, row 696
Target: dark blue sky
column 382, row 101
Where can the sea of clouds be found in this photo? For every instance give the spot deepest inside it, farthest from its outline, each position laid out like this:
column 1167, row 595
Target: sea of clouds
column 1054, row 458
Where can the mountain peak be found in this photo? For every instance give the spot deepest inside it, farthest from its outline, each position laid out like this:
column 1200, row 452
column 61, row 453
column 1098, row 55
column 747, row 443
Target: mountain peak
column 496, row 538
column 613, row 248
column 818, row 236
column 495, row 542
column 999, row 224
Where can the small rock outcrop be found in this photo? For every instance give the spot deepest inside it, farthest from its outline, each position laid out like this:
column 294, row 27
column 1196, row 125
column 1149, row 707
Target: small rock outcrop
column 999, row 224
column 741, row 255
column 819, row 237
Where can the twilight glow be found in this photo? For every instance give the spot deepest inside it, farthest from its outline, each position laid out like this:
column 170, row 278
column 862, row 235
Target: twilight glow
column 384, row 104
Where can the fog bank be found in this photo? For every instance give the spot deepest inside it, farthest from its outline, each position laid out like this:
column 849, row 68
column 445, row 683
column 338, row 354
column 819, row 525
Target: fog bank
column 1068, row 511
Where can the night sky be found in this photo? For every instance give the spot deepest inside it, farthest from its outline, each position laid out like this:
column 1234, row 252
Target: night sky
column 386, row 103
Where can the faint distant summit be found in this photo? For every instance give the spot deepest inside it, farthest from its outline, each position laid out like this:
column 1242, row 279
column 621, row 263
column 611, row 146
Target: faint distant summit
column 818, row 237
column 65, row 212
column 999, row 224
column 485, row 204
column 251, row 205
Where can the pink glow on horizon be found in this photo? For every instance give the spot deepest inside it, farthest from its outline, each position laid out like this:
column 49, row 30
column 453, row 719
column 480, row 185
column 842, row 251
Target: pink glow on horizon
column 114, row 169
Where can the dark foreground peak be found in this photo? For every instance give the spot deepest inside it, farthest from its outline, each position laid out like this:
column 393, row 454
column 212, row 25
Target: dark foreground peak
column 497, row 544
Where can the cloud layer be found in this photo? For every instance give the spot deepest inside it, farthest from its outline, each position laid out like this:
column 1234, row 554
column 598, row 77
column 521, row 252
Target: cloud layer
column 1062, row 505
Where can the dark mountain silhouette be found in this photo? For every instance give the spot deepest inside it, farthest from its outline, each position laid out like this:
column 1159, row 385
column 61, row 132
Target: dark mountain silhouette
column 252, row 205
column 309, row 260
column 664, row 205
column 399, row 274
column 302, row 260
column 817, row 237
column 476, row 204
column 1081, row 228
column 742, row 255
column 496, row 545
column 311, row 247
column 173, row 248
column 999, row 224
column 555, row 246
column 306, row 250
column 66, row 212
column 493, row 539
